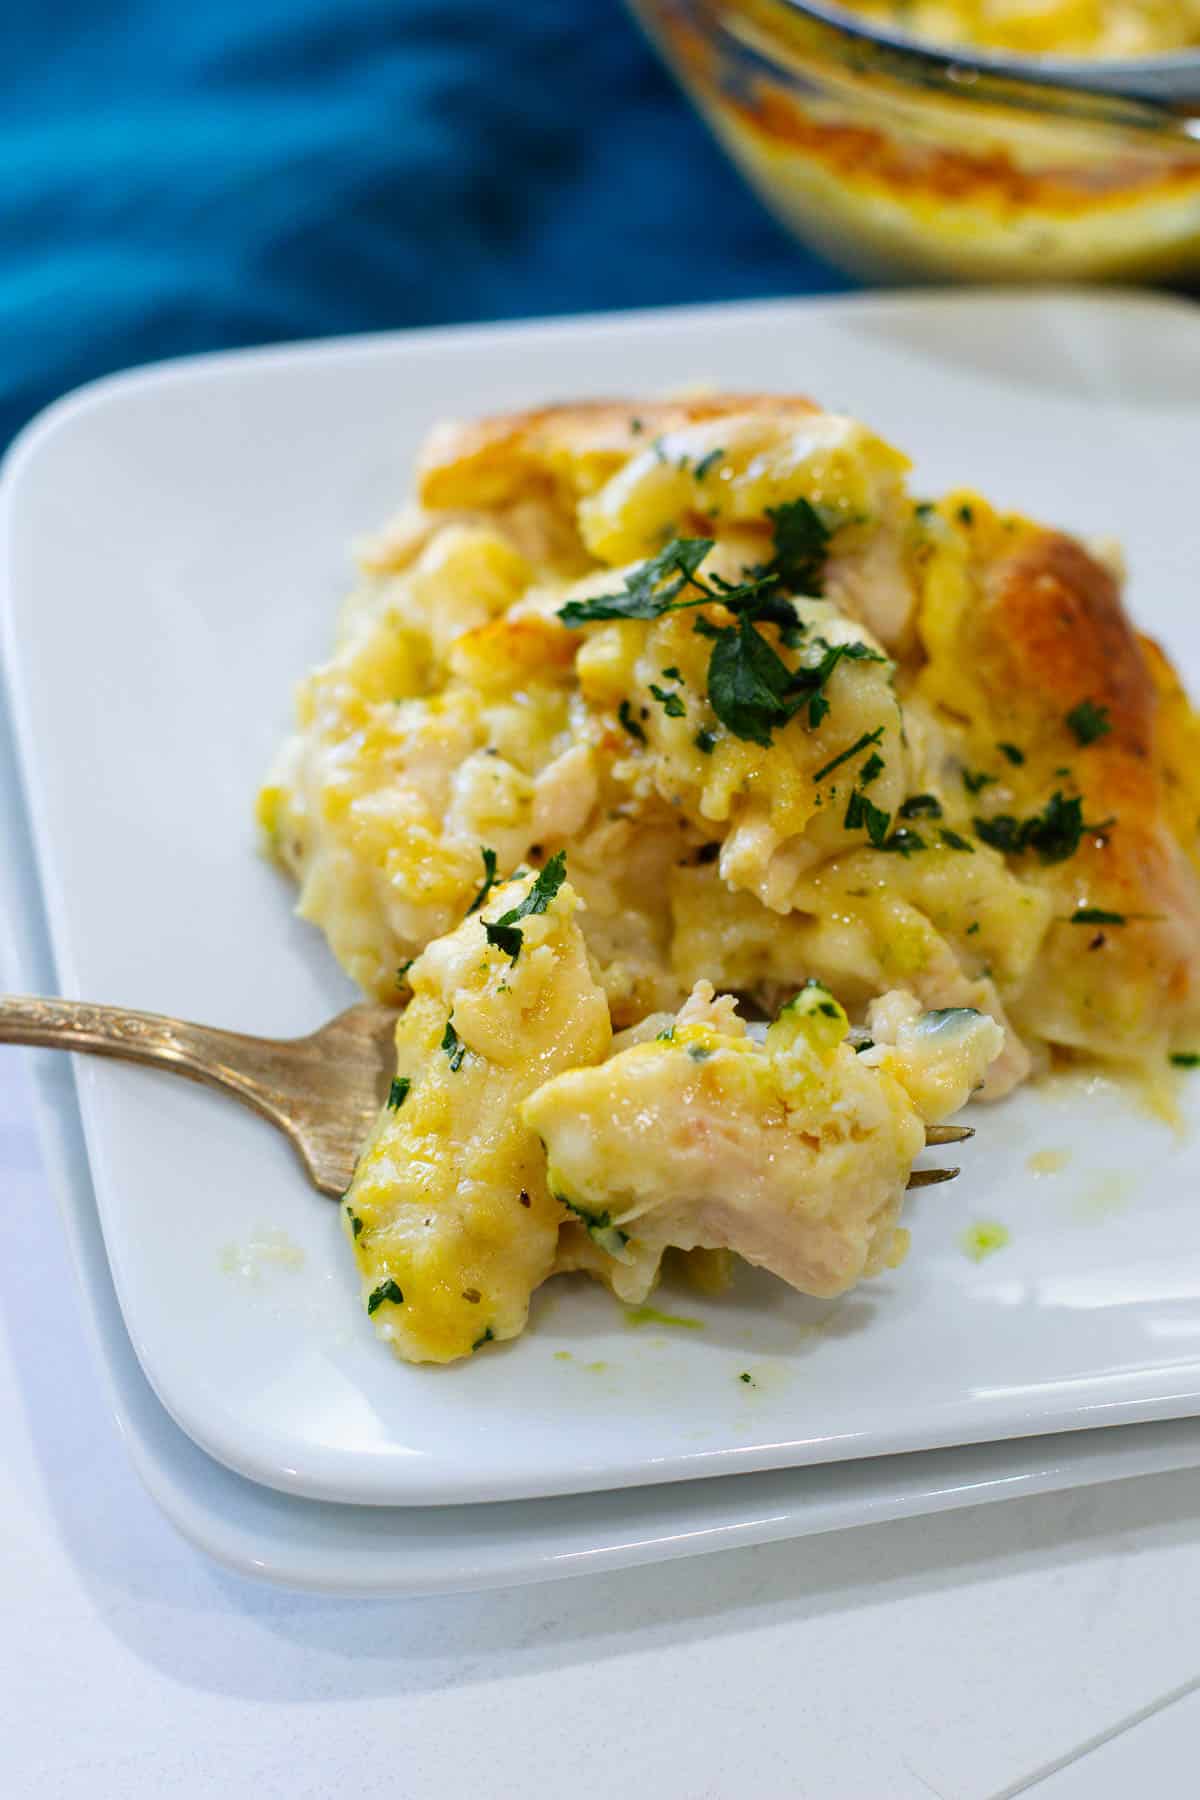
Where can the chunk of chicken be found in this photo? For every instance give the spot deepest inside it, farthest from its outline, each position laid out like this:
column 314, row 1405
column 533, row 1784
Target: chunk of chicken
column 793, row 1153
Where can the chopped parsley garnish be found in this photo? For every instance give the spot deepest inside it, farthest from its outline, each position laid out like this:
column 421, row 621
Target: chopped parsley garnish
column 450, row 1044
column 600, row 1226
column 801, row 545
column 747, row 682
column 975, row 781
column 953, row 841
column 672, row 704
column 705, row 741
column 1015, row 755
column 921, row 806
column 1095, row 915
column 871, row 769
column 672, row 674
column 862, row 814
column 489, row 1337
column 1002, row 833
column 651, row 590
column 750, row 687
column 1186, row 1059
column 489, row 878
column 662, row 1037
column 904, row 841
column 636, row 426
column 398, row 1092
column 503, row 934
column 1054, row 833
column 966, row 514
column 1089, row 722
column 699, row 1052
column 864, row 1044
column 746, row 1377
column 752, row 690
column 356, row 1223
column 387, row 1290
column 625, row 714
column 708, row 463
column 863, row 743
column 402, row 972
column 972, row 928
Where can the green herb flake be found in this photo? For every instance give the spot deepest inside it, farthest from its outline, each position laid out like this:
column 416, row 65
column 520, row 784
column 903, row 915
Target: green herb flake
column 973, row 928
column 1095, row 915
column 953, row 841
column 651, row 590
column 801, row 545
column 862, row 813
column 708, row 463
column 921, row 806
column 1054, row 833
column 699, row 1052
column 672, row 674
column 1089, row 722
column 637, row 427
column 1015, row 755
column 863, row 743
column 705, row 742
column 671, row 703
column 966, row 514
column 398, row 1092
column 746, row 1377
column 451, row 1045
column 387, row 1290
column 1185, row 1059
column 904, row 841
column 974, row 780
column 489, row 879
column 489, row 1337
column 402, row 972
column 356, row 1223
column 864, row 1044
column 503, row 934
column 871, row 769
column 625, row 714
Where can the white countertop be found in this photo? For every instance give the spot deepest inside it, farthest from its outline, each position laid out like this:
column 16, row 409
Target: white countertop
column 1051, row 1642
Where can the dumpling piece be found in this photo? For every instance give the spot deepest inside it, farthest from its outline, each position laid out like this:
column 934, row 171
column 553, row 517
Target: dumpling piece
column 450, row 1219
column 794, row 1153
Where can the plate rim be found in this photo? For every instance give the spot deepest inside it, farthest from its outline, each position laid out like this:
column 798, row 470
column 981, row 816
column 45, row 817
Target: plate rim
column 113, row 389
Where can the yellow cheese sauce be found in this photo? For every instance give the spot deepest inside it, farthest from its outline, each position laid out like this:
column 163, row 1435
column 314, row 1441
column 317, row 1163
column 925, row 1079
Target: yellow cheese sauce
column 629, row 715
column 1100, row 28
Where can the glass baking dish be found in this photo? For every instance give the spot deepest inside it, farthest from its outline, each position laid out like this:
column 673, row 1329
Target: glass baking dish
column 899, row 161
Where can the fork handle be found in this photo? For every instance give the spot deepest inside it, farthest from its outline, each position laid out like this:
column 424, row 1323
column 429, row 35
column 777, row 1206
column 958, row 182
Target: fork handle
column 220, row 1059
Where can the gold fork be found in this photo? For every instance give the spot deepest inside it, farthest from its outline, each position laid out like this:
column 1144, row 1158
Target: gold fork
column 322, row 1091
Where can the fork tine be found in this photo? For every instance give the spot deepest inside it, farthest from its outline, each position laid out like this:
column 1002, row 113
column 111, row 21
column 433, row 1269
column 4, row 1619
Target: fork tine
column 931, row 1177
column 949, row 1134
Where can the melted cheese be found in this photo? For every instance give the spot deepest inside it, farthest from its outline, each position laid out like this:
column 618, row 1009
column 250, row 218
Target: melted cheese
column 794, row 1153
column 1101, row 28
column 449, row 1215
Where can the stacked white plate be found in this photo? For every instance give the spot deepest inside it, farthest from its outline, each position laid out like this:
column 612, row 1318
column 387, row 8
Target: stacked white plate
column 175, row 548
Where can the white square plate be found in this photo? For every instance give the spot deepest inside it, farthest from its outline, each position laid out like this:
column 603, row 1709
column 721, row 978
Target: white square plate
column 333, row 1548
column 175, row 551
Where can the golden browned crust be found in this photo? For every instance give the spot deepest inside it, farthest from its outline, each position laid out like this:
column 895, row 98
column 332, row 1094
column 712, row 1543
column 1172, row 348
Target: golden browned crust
column 1049, row 633
column 489, row 462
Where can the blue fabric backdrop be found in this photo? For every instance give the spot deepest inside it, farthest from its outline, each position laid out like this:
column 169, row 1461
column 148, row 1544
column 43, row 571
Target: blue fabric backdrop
column 178, row 177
